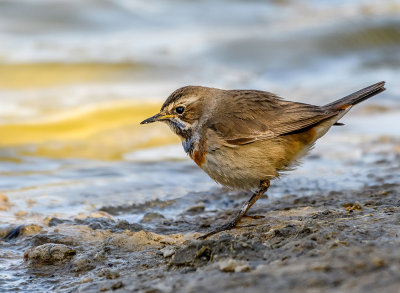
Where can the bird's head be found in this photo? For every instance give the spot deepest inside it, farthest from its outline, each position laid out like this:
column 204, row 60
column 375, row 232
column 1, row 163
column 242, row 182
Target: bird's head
column 184, row 110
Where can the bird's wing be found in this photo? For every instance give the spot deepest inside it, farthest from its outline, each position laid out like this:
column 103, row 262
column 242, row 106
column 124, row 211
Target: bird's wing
column 247, row 116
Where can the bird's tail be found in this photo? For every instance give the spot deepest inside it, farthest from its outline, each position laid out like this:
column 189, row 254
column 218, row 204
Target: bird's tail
column 357, row 97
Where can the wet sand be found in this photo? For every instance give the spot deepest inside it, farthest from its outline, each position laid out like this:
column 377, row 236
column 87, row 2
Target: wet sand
column 327, row 241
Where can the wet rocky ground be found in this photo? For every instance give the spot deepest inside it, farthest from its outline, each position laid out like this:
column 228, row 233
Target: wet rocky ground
column 338, row 241
column 309, row 235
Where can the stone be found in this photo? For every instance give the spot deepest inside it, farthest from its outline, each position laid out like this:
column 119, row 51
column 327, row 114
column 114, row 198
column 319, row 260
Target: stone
column 49, row 254
column 232, row 265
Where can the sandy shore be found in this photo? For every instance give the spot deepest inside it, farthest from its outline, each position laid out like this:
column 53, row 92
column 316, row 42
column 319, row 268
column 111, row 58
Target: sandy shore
column 310, row 235
column 345, row 241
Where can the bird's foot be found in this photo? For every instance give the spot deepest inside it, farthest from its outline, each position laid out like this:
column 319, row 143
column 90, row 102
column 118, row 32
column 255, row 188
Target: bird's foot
column 263, row 188
column 228, row 226
column 255, row 217
column 224, row 227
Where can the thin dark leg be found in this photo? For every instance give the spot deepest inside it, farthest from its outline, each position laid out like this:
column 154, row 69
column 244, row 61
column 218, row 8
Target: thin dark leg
column 264, row 185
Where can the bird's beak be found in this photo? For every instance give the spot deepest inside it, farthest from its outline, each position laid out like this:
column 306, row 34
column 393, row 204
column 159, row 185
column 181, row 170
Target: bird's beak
column 157, row 117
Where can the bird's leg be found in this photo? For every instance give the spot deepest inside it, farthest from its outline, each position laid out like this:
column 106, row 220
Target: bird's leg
column 264, row 185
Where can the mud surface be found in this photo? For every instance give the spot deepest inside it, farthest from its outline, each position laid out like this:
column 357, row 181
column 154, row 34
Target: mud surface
column 332, row 241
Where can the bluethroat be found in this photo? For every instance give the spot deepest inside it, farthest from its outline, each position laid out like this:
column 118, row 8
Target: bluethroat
column 245, row 138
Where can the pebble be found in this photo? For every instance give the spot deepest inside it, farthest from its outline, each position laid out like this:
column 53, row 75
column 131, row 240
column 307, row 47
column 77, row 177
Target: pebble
column 168, row 251
column 151, row 217
column 232, row 265
column 48, row 254
column 31, row 229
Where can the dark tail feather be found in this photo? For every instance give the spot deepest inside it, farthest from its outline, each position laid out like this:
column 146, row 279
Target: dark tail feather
column 357, row 97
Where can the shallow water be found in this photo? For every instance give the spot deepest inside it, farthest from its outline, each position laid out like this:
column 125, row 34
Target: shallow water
column 76, row 79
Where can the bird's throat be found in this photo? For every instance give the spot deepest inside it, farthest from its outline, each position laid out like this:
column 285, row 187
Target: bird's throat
column 191, row 140
column 181, row 128
column 189, row 143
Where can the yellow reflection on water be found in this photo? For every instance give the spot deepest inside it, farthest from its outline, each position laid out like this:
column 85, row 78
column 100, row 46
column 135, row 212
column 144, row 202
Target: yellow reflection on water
column 105, row 133
column 39, row 75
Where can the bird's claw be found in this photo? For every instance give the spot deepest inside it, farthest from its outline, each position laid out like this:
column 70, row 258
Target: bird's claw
column 224, row 227
column 255, row 217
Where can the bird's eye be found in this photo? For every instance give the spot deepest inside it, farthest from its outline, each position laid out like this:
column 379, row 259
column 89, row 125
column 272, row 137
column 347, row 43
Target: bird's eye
column 180, row 109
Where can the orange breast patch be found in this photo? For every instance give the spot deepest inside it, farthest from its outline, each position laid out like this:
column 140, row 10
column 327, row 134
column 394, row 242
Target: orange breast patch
column 199, row 153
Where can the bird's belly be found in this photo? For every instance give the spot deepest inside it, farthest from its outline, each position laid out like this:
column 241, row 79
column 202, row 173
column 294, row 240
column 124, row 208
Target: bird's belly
column 230, row 173
column 241, row 168
column 245, row 166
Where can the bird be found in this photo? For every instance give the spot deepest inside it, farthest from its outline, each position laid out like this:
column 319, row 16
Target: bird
column 243, row 139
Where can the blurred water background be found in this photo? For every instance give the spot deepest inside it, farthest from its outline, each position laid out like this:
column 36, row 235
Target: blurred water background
column 76, row 78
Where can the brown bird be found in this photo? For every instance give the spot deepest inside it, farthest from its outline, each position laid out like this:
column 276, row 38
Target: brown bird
column 245, row 138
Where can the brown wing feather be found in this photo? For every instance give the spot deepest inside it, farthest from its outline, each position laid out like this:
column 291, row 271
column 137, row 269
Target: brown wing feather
column 245, row 116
